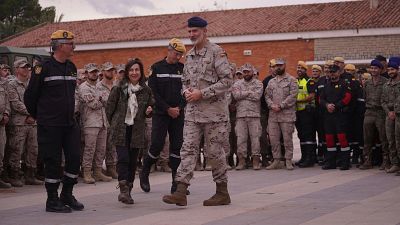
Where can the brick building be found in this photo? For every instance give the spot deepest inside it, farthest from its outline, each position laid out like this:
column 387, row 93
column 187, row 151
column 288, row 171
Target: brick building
column 356, row 30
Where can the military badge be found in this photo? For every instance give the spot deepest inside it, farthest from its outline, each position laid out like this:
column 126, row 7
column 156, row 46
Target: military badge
column 38, row 70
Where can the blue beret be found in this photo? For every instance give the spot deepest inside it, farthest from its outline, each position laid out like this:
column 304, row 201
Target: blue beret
column 376, row 63
column 393, row 64
column 197, row 22
column 395, row 59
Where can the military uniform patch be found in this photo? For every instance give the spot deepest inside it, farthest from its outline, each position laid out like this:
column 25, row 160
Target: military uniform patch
column 38, row 70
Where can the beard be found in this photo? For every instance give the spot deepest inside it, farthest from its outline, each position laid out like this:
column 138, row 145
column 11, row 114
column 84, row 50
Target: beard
column 247, row 78
column 280, row 72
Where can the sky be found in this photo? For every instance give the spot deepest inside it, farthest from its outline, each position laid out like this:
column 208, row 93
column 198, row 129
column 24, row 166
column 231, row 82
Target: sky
column 74, row 10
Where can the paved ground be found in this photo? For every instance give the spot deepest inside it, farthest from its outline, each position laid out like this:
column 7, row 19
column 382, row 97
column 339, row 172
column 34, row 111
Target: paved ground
column 304, row 196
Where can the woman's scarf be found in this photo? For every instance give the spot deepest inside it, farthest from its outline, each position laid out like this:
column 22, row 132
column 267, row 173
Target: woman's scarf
column 132, row 103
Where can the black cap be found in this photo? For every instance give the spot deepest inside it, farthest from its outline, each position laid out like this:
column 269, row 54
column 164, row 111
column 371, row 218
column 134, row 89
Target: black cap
column 334, row 68
column 197, row 22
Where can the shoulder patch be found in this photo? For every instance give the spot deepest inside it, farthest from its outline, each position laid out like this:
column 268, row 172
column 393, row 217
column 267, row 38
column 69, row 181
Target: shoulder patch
column 38, row 70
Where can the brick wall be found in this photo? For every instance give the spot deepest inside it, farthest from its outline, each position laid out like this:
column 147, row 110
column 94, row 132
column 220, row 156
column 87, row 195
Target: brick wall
column 357, row 47
column 292, row 51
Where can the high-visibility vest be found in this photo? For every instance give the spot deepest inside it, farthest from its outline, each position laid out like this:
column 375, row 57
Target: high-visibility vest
column 302, row 94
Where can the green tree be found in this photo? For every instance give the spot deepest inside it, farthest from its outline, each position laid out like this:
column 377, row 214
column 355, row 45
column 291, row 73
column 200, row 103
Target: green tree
column 18, row 15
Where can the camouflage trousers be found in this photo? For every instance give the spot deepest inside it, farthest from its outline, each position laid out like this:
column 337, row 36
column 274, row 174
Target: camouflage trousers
column 23, row 139
column 95, row 146
column 374, row 126
column 275, row 129
column 214, row 135
column 3, row 139
column 393, row 137
column 246, row 127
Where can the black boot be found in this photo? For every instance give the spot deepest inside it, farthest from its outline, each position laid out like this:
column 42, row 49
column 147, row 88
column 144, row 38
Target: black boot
column 68, row 199
column 330, row 160
column 355, row 158
column 144, row 174
column 303, row 155
column 345, row 160
column 53, row 203
column 308, row 158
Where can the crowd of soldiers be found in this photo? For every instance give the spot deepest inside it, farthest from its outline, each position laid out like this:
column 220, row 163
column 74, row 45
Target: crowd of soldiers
column 361, row 127
column 342, row 115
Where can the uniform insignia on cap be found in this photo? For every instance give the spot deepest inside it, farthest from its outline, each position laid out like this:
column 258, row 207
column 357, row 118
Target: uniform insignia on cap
column 65, row 34
column 38, row 70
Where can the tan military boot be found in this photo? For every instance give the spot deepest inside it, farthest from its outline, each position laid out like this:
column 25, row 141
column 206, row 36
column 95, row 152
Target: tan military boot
column 112, row 171
column 256, row 163
column 99, row 176
column 87, row 176
column 242, row 163
column 289, row 164
column 366, row 165
column 385, row 164
column 221, row 197
column 276, row 164
column 178, row 197
column 124, row 192
column 30, row 177
column 393, row 169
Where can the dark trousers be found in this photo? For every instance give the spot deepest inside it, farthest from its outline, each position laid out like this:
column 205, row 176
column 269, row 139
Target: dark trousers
column 306, row 130
column 335, row 129
column 161, row 124
column 52, row 142
column 127, row 158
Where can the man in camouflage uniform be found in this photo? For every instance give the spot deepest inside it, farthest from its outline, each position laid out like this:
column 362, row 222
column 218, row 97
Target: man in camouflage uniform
column 206, row 78
column 390, row 97
column 23, row 136
column 5, row 71
column 4, row 118
column 95, row 125
column 374, row 120
column 281, row 95
column 247, row 93
column 104, row 89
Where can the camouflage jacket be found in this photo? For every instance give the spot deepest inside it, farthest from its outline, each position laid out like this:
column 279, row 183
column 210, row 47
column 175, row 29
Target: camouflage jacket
column 209, row 71
column 373, row 96
column 282, row 91
column 391, row 96
column 19, row 113
column 4, row 100
column 247, row 95
column 93, row 106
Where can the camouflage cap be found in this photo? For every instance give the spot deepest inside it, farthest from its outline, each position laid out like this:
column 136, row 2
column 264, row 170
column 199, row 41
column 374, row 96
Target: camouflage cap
column 238, row 70
column 81, row 73
column 4, row 66
column 21, row 63
column 280, row 61
column 91, row 67
column 120, row 67
column 107, row 66
column 247, row 67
